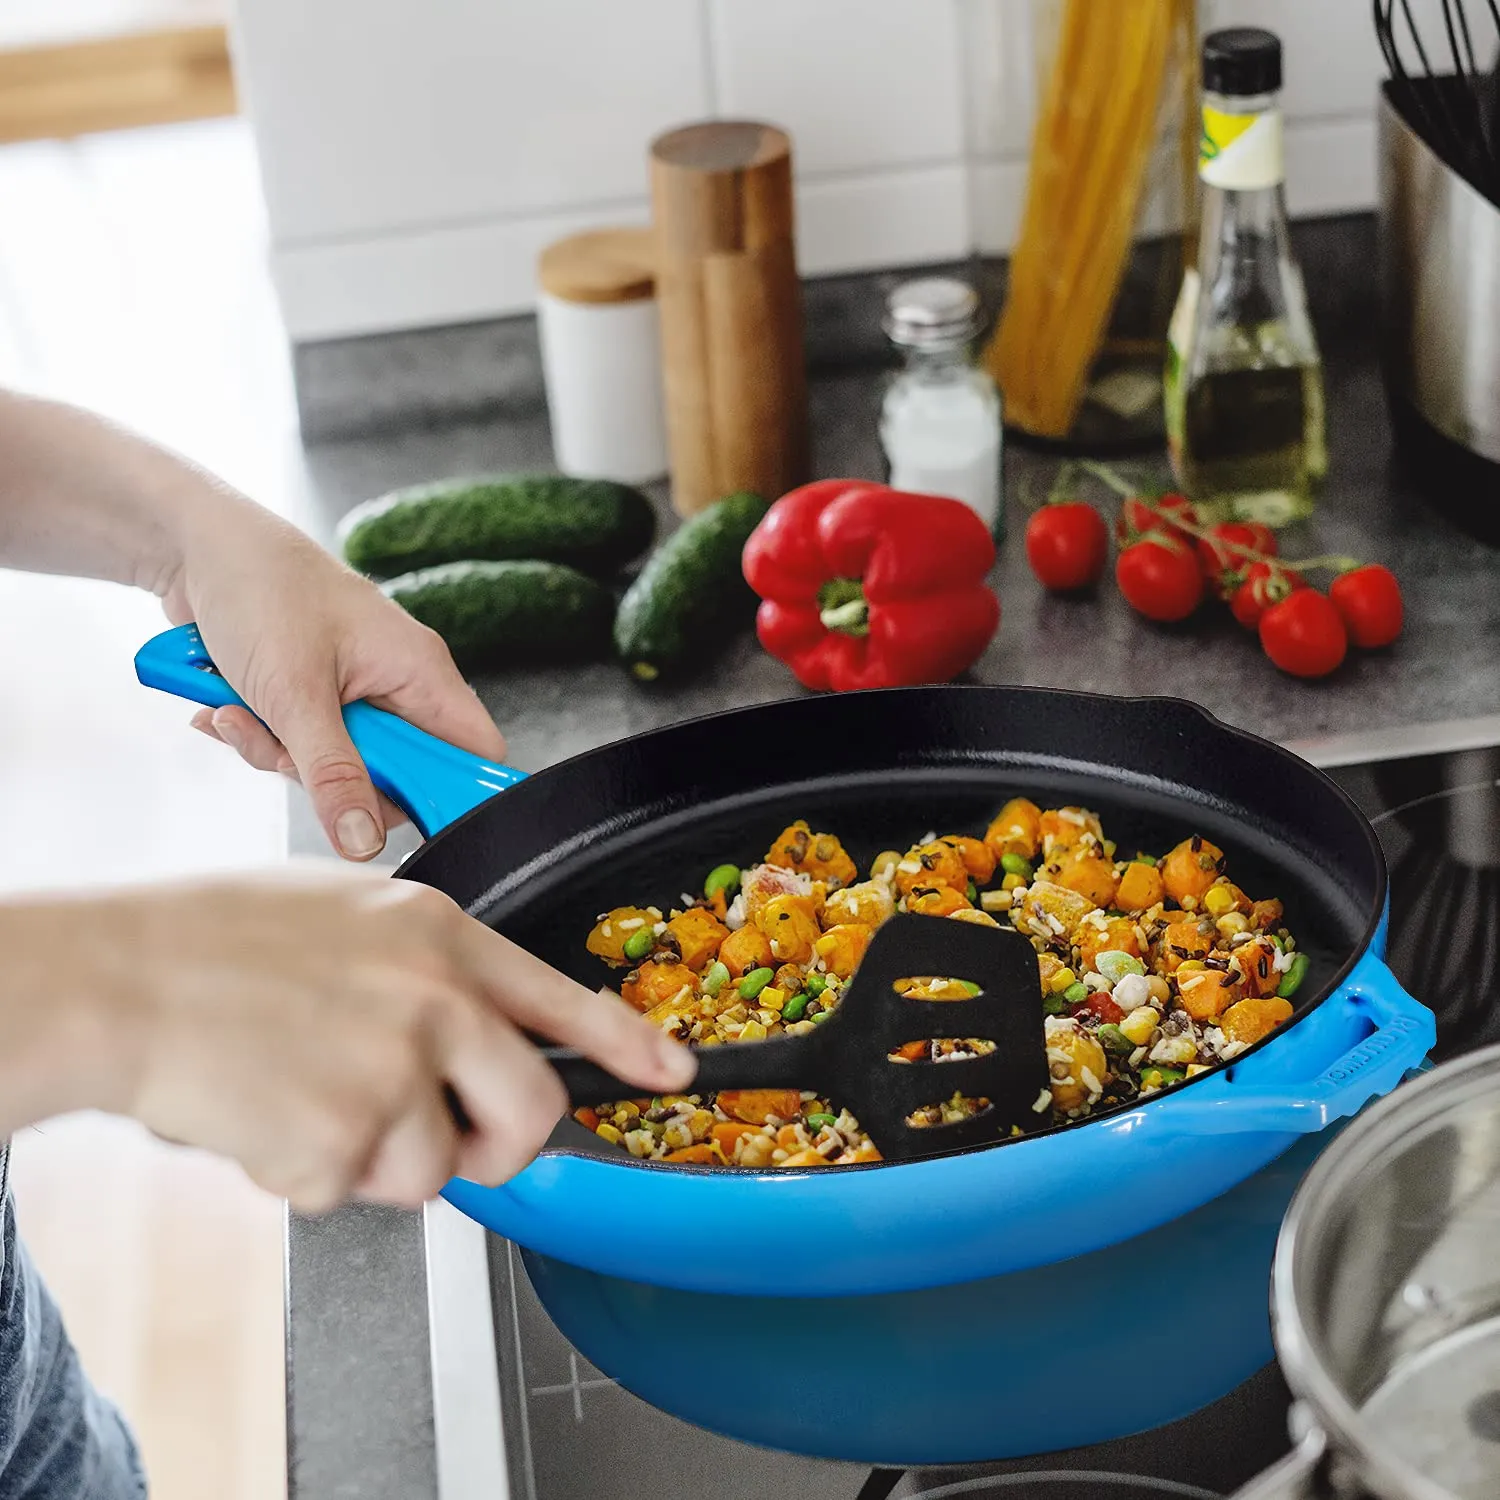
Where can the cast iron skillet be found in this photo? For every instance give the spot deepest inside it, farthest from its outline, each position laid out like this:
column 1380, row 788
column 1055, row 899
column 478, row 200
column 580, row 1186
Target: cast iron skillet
column 644, row 819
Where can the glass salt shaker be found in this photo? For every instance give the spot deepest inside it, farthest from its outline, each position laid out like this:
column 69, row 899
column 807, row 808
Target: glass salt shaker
column 940, row 421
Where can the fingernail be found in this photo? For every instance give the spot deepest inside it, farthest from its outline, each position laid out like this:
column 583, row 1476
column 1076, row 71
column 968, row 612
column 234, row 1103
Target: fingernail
column 356, row 834
column 228, row 731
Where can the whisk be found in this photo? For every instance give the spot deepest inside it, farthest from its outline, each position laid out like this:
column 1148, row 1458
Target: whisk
column 1445, row 901
column 1458, row 112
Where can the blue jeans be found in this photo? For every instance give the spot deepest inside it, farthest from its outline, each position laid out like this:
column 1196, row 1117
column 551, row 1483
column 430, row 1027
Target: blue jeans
column 59, row 1439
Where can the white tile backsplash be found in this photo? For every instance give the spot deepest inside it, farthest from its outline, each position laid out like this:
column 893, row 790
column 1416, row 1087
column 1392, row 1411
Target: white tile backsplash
column 416, row 158
column 861, row 84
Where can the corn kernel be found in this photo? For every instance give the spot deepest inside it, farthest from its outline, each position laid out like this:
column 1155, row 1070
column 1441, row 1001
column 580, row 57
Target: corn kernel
column 1064, row 979
column 1194, row 1069
column 1232, row 923
column 613, row 1136
column 1139, row 1025
column 1013, row 883
column 1218, row 900
column 771, row 998
column 995, row 900
column 752, row 1031
column 1190, row 966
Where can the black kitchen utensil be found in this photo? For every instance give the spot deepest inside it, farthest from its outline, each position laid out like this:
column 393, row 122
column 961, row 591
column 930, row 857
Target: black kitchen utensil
column 1448, row 100
column 847, row 1057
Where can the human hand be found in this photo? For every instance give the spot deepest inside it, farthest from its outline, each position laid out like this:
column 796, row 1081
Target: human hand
column 305, row 1023
column 298, row 635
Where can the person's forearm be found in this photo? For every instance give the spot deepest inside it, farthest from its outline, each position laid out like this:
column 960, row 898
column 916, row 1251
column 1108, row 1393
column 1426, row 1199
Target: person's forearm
column 60, row 1048
column 82, row 497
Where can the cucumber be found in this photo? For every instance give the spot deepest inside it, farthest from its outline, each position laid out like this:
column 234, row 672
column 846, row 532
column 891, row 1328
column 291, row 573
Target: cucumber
column 497, row 614
column 691, row 595
column 590, row 524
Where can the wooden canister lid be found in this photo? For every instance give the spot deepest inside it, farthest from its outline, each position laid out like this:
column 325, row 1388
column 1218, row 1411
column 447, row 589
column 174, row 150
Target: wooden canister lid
column 600, row 265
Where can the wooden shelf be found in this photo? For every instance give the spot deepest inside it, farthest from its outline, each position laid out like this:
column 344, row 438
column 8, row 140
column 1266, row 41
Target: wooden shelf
column 115, row 83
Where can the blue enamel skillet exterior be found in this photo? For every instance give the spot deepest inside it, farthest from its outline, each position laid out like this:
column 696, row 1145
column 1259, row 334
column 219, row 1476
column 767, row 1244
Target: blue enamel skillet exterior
column 972, row 1215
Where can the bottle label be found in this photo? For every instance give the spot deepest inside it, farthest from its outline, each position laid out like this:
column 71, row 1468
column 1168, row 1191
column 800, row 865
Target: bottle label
column 1241, row 152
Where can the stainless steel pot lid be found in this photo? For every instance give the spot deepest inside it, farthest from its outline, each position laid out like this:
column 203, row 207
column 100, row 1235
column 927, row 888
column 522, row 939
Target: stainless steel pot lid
column 1387, row 1289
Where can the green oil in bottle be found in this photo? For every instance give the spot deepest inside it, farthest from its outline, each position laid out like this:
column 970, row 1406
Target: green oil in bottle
column 1244, row 381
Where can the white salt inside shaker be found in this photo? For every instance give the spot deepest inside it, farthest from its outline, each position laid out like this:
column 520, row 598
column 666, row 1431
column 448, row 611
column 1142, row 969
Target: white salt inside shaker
column 601, row 355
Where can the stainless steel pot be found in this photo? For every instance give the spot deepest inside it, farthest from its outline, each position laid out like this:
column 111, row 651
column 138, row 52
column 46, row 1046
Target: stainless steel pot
column 1386, row 1300
column 1440, row 283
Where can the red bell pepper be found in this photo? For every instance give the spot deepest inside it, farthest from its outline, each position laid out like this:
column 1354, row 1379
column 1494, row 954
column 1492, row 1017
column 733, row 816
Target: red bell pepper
column 863, row 586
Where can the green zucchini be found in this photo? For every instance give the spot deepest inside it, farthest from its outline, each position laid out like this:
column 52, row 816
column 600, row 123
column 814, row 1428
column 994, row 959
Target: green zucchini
column 498, row 614
column 590, row 524
column 691, row 595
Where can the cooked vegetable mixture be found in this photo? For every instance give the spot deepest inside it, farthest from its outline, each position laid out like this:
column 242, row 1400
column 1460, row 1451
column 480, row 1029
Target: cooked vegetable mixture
column 1152, row 970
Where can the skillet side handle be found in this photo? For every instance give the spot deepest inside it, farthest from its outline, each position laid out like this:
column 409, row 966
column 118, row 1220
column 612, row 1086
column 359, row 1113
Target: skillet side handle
column 1405, row 1032
column 434, row 783
column 1298, row 1476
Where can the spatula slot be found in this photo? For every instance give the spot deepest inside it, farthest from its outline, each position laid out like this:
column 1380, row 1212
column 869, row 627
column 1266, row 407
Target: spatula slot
column 929, row 1119
column 942, row 1049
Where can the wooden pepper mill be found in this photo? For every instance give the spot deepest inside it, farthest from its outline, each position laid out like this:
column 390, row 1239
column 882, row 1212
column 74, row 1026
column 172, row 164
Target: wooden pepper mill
column 731, row 312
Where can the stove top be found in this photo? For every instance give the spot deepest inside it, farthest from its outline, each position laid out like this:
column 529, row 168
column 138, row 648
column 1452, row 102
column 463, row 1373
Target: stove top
column 570, row 1432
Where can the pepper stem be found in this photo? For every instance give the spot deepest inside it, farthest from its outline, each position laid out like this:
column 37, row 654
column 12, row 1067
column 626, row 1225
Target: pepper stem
column 842, row 607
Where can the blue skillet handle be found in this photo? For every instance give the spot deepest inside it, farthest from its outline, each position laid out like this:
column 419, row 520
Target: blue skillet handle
column 1405, row 1032
column 433, row 782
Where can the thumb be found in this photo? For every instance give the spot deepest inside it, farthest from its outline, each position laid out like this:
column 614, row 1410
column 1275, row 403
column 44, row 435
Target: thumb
column 311, row 726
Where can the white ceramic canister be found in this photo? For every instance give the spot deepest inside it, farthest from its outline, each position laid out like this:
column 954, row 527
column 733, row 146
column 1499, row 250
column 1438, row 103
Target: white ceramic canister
column 601, row 355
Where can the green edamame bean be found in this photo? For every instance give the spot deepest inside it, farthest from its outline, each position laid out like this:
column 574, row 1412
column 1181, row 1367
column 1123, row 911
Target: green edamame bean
column 1146, row 859
column 1115, row 1040
column 715, row 978
column 754, row 982
column 1292, row 979
column 1016, row 864
column 969, row 987
column 972, row 892
column 1076, row 994
column 724, row 878
column 1115, row 965
column 1055, row 1005
column 822, row 1015
column 794, row 1008
column 814, row 985
column 640, row 943
column 821, row 1121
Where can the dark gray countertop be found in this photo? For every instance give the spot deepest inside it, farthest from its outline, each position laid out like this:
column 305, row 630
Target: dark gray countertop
column 360, row 1399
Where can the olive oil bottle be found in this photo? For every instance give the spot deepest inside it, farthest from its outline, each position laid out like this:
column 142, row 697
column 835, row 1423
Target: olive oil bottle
column 1244, row 382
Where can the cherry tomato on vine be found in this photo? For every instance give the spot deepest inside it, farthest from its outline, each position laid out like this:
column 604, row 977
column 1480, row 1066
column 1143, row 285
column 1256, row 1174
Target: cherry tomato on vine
column 1369, row 600
column 1067, row 545
column 1142, row 514
column 1222, row 553
column 1160, row 578
column 1304, row 634
column 1265, row 584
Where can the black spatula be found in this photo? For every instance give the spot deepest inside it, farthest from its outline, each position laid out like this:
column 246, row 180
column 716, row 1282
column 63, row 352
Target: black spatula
column 847, row 1058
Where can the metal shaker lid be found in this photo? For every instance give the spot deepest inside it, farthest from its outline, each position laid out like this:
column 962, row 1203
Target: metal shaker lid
column 933, row 312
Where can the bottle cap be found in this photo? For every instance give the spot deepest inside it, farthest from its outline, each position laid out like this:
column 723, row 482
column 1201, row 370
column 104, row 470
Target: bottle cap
column 1242, row 62
column 933, row 312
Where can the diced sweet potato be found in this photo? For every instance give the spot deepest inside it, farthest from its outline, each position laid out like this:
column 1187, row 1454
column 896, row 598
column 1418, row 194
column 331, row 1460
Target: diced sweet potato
column 1067, row 827
column 702, row 1154
column 756, row 1106
column 1266, row 915
column 1017, row 829
column 745, row 950
column 1140, row 887
column 979, row 859
column 1189, row 870
column 1179, row 942
column 608, row 939
column 1087, row 871
column 1116, row 936
column 931, row 864
column 791, row 927
column 1251, row 1020
column 1207, row 993
column 842, row 947
column 869, row 902
column 1257, row 961
column 699, row 935
column 820, row 855
column 727, row 1132
column 659, row 984
column 1051, row 911
column 935, row 900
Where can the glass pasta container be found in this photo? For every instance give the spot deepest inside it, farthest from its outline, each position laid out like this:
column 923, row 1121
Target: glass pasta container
column 1108, row 223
